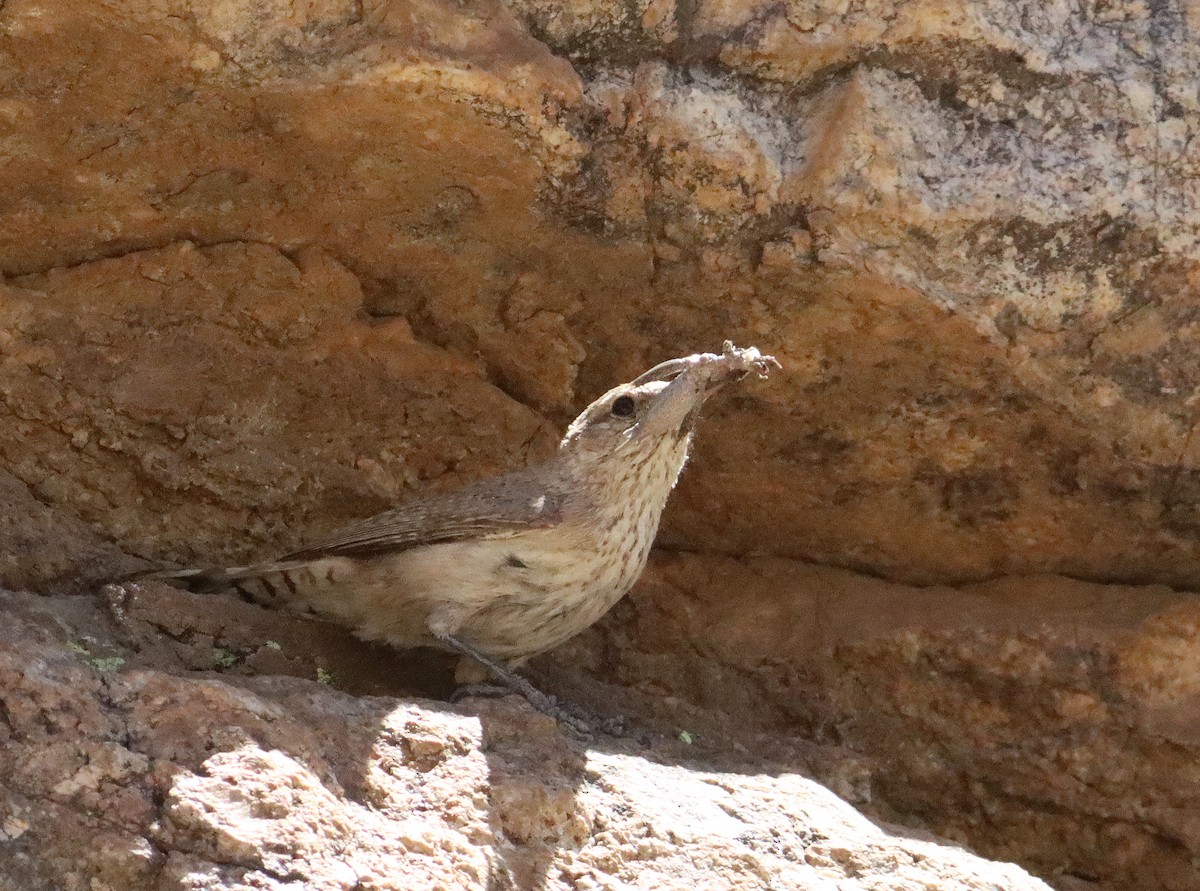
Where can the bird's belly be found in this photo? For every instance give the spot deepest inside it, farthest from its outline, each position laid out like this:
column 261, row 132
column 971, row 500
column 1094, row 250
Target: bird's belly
column 515, row 625
column 560, row 592
column 511, row 596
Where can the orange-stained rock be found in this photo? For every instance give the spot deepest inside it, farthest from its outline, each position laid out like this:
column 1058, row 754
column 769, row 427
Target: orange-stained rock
column 216, row 402
column 975, row 256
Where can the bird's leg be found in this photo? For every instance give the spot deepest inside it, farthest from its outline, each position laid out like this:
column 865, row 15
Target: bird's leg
column 539, row 700
column 581, row 723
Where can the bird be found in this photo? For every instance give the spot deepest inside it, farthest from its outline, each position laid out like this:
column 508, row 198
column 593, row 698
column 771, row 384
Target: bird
column 511, row 566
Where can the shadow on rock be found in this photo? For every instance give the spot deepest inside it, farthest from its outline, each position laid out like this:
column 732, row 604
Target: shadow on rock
column 160, row 740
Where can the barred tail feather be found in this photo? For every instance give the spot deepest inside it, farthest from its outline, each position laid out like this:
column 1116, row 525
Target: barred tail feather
column 264, row 583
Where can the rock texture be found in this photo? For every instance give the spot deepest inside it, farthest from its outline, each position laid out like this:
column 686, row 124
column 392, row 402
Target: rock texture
column 288, row 783
column 216, row 402
column 969, row 230
column 1051, row 721
column 266, row 266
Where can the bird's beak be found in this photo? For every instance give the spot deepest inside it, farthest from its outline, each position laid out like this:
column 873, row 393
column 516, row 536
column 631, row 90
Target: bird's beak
column 676, row 407
column 695, row 378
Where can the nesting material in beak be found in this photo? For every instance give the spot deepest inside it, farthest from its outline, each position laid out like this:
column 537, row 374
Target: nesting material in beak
column 695, row 379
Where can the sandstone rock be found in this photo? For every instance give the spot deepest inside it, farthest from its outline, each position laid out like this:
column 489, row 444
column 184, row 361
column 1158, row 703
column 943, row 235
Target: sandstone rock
column 1046, row 720
column 204, row 402
column 120, row 774
column 44, row 545
column 968, row 230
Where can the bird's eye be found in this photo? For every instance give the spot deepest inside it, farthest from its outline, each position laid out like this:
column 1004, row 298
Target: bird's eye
column 623, row 406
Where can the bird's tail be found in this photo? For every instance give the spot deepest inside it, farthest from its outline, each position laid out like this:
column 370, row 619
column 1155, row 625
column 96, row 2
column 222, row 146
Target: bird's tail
column 264, row 583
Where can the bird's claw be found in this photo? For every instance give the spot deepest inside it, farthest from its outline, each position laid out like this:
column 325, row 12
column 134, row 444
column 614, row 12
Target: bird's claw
column 577, row 720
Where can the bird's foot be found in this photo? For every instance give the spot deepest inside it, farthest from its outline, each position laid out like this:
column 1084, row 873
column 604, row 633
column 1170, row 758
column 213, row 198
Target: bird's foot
column 568, row 715
column 480, row 691
column 575, row 716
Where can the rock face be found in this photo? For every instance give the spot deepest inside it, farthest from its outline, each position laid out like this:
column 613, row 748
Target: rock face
column 288, row 783
column 968, row 230
column 170, row 397
column 1046, row 720
column 268, row 266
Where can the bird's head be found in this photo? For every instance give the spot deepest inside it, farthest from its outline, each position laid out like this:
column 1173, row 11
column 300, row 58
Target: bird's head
column 657, row 412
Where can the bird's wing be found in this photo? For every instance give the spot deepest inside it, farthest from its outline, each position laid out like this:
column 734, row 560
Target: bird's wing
column 512, row 503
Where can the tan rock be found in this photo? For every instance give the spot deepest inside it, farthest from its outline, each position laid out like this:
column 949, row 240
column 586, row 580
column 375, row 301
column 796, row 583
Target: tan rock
column 140, row 778
column 233, row 371
column 969, row 234
column 1047, row 720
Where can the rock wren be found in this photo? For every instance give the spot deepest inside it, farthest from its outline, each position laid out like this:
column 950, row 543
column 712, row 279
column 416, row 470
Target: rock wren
column 509, row 567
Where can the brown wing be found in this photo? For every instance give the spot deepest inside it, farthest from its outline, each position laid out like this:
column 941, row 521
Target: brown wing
column 512, row 503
